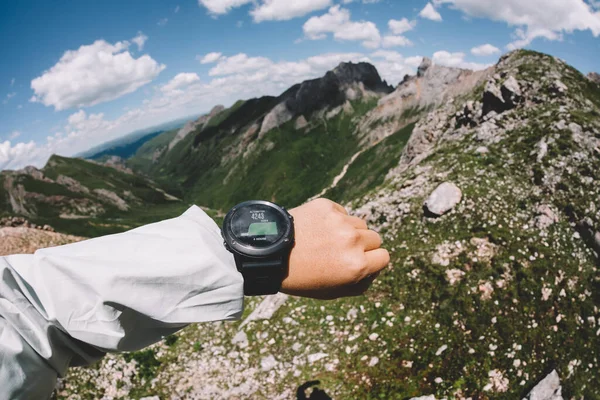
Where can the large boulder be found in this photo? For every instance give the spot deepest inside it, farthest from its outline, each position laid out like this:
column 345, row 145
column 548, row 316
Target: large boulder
column 443, row 199
column 548, row 389
column 425, row 64
column 493, row 99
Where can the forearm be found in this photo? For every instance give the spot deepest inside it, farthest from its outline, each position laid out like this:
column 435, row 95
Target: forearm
column 120, row 292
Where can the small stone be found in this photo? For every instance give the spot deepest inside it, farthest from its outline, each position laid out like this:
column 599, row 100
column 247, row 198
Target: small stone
column 441, row 350
column 268, row 363
column 443, row 199
column 312, row 358
column 374, row 361
column 482, row 150
column 548, row 389
column 240, row 339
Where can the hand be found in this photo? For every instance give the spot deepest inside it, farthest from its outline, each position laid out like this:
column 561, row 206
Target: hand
column 335, row 254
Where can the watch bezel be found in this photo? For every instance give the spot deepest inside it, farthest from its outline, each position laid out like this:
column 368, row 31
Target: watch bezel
column 283, row 244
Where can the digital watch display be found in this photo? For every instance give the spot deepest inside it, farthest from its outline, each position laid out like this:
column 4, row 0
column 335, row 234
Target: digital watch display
column 260, row 234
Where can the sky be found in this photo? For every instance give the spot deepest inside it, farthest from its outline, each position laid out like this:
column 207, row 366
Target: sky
column 75, row 74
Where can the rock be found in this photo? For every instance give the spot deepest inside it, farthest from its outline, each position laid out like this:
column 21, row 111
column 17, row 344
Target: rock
column 430, row 397
column 268, row 363
column 511, row 91
column 266, row 308
column 493, row 99
column 240, row 339
column 558, row 88
column 545, row 216
column 443, row 199
column 280, row 114
column 548, row 389
column 312, row 358
column 597, row 240
column 301, row 123
column 482, row 150
column 113, row 198
column 542, row 149
column 425, row 65
column 191, row 126
column 72, row 184
column 594, row 77
column 150, row 398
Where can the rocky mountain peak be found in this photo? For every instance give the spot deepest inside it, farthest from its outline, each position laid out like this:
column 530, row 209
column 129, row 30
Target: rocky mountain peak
column 594, row 77
column 425, row 64
column 351, row 73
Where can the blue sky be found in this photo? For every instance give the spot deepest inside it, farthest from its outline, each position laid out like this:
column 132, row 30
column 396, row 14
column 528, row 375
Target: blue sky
column 76, row 74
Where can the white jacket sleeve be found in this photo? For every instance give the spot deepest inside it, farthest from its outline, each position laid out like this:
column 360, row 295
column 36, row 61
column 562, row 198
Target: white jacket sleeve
column 69, row 305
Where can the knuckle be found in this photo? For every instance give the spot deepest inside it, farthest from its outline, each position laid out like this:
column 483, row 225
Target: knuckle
column 357, row 266
column 349, row 236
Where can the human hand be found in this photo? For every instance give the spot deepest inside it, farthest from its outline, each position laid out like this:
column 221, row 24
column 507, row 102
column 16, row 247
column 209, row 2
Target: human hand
column 335, row 255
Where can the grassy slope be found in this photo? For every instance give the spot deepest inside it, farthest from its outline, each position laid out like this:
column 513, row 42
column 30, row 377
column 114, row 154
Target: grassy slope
column 369, row 169
column 142, row 159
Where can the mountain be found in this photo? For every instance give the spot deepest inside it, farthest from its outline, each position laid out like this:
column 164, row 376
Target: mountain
column 84, row 197
column 485, row 188
column 116, row 146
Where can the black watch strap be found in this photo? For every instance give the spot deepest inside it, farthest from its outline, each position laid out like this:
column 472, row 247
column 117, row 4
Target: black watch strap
column 262, row 276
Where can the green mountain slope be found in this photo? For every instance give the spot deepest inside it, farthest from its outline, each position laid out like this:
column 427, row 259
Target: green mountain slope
column 83, row 197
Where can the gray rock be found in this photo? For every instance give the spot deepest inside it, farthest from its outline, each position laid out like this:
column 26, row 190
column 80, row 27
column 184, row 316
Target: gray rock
column 545, row 216
column 443, row 199
column 548, row 389
column 594, row 77
column 482, row 150
column 268, row 363
column 266, row 308
column 279, row 115
column 301, row 122
column 430, row 397
column 240, row 339
column 542, row 149
column 511, row 91
column 425, row 64
column 559, row 88
column 493, row 99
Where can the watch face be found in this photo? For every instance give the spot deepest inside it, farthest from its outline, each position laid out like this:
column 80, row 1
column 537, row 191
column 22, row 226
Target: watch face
column 258, row 225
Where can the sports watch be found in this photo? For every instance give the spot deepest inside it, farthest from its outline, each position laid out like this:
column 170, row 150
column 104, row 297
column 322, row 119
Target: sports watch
column 260, row 234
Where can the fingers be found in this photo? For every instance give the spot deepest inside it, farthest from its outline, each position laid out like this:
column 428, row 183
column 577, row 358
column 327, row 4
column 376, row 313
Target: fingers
column 370, row 239
column 357, row 222
column 377, row 260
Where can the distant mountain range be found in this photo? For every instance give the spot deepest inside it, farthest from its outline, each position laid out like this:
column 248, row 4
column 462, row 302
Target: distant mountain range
column 484, row 185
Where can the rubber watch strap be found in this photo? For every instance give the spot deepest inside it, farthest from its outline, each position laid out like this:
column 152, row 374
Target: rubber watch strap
column 262, row 276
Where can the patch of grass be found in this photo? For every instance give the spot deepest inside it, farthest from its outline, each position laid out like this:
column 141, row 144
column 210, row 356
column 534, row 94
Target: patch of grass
column 369, row 169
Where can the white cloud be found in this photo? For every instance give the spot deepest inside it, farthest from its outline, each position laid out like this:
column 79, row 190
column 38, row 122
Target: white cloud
column 337, row 21
column 162, row 22
column 19, row 155
column 93, row 74
column 176, row 10
column 180, row 81
column 456, row 60
column 12, row 82
column 239, row 63
column 533, row 19
column 218, row 7
column 429, row 12
column 398, row 27
column 485, row 50
column 140, row 40
column 281, row 10
column 395, row 41
column 209, row 58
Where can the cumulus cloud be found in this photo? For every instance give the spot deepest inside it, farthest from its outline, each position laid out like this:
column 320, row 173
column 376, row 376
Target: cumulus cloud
column 485, row 50
column 534, row 18
column 456, row 60
column 429, row 12
column 180, row 81
column 93, row 74
column 239, row 63
column 398, row 27
column 338, row 22
column 17, row 156
column 281, row 10
column 209, row 58
column 395, row 41
column 140, row 40
column 218, row 7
